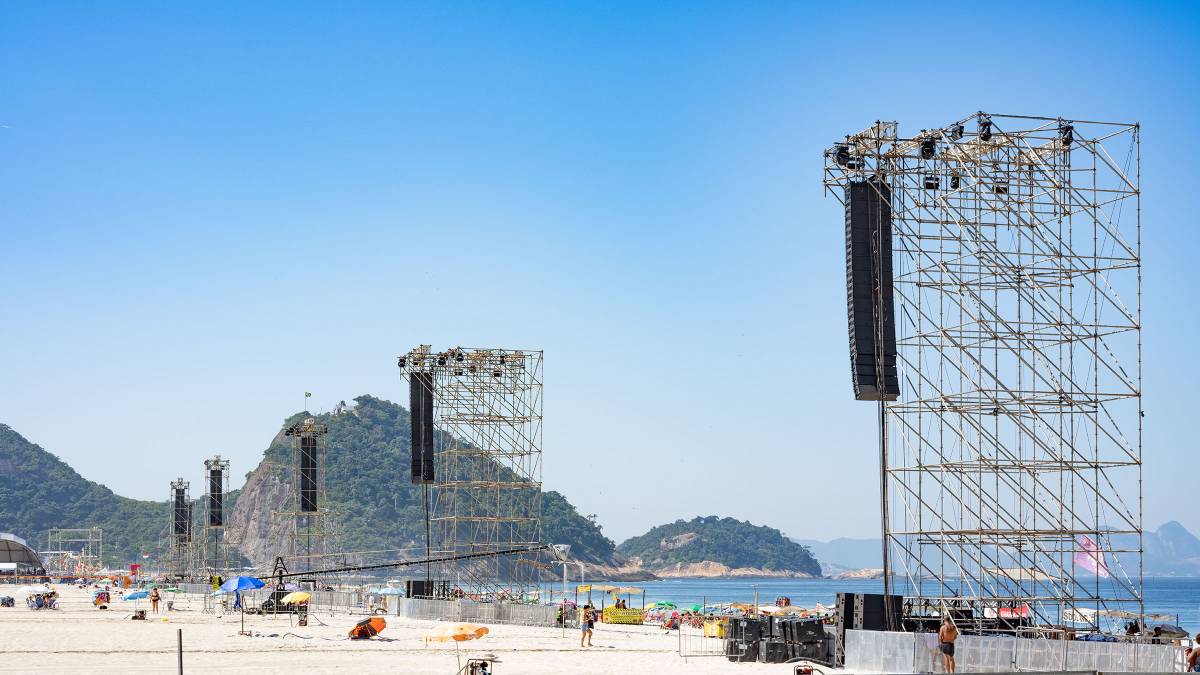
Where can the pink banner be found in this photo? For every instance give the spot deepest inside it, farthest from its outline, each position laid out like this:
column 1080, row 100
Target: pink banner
column 1091, row 558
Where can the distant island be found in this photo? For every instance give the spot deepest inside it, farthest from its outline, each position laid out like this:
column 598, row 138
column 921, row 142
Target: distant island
column 718, row 547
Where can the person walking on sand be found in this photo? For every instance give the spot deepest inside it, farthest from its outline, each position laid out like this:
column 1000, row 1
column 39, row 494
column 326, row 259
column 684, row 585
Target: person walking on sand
column 587, row 623
column 154, row 598
column 946, row 637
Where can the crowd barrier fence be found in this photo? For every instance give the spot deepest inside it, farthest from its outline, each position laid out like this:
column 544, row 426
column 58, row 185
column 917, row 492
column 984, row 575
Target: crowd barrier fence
column 892, row 652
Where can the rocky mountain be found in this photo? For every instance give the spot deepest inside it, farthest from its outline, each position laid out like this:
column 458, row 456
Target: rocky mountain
column 842, row 555
column 712, row 546
column 367, row 482
column 373, row 503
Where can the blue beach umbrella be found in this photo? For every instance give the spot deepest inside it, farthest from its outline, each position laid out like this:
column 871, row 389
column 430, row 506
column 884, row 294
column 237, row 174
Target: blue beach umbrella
column 135, row 596
column 242, row 584
column 238, row 584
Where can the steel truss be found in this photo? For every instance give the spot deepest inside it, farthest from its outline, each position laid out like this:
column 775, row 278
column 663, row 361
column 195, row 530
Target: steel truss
column 180, row 551
column 212, row 547
column 487, row 495
column 1016, row 444
column 74, row 550
column 311, row 531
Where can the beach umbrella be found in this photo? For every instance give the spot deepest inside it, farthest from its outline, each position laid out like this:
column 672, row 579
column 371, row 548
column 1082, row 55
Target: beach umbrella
column 242, row 584
column 391, row 591
column 32, row 590
column 458, row 632
column 696, row 608
column 238, row 584
column 368, row 628
column 135, row 596
column 296, row 596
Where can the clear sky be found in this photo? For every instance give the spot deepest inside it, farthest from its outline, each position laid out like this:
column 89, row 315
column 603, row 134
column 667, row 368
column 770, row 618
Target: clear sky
column 208, row 209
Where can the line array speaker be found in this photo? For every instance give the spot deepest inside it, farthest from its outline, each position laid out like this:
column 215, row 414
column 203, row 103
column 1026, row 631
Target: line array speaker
column 180, row 514
column 308, row 473
column 216, row 483
column 420, row 405
column 869, row 290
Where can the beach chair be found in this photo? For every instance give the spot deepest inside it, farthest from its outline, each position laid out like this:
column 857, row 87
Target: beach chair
column 479, row 666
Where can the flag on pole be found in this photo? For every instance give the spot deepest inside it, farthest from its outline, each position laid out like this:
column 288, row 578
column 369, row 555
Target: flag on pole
column 1091, row 557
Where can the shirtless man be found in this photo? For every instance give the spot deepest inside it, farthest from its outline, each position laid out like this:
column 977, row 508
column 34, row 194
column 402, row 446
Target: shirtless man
column 946, row 636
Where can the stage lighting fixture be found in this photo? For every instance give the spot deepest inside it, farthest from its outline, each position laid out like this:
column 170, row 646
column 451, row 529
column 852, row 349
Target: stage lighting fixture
column 458, row 357
column 932, row 182
column 955, row 181
column 495, row 373
column 1066, row 132
column 928, row 148
column 458, row 372
column 401, row 362
column 1000, row 189
column 841, row 154
column 441, row 360
column 985, row 129
column 956, row 132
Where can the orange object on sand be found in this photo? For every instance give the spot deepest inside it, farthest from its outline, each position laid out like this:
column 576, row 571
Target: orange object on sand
column 457, row 632
column 368, row 628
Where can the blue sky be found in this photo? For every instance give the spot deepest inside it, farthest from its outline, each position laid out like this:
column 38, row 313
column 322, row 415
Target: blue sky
column 634, row 188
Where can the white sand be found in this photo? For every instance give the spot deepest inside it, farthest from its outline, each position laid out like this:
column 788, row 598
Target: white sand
column 78, row 638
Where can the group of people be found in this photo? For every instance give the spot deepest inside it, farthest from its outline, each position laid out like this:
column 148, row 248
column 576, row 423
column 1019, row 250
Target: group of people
column 43, row 600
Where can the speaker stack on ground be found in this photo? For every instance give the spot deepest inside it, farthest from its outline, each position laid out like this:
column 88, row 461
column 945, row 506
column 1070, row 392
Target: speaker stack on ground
column 866, row 611
column 775, row 640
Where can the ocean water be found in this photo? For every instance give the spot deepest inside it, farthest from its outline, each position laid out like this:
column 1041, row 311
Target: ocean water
column 1177, row 596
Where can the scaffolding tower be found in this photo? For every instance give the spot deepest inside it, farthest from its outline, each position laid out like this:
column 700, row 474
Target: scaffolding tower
column 308, row 522
column 74, row 550
column 486, row 494
column 1012, row 461
column 179, row 541
column 213, row 544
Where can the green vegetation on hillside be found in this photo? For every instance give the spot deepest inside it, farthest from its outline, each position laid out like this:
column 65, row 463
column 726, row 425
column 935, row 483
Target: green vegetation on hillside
column 367, row 481
column 39, row 491
column 723, row 540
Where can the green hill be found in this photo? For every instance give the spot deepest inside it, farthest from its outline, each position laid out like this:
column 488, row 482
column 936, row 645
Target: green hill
column 367, row 482
column 725, row 541
column 39, row 491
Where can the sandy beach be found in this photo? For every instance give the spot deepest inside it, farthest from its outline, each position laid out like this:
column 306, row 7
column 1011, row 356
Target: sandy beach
column 77, row 638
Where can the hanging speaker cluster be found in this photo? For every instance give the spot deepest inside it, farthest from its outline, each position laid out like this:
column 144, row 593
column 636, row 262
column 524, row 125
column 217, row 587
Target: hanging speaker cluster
column 869, row 290
column 420, row 405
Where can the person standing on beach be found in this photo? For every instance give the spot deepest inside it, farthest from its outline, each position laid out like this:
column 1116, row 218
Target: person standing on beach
column 946, row 636
column 587, row 623
column 154, row 598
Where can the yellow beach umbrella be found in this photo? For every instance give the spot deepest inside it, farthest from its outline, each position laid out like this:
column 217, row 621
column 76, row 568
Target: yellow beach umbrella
column 456, row 632
column 296, row 596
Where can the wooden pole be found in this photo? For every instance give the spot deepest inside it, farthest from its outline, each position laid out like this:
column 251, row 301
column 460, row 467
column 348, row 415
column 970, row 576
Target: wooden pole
column 179, row 648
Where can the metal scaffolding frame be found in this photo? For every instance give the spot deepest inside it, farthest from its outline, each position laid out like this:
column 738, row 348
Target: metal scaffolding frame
column 75, row 550
column 1012, row 461
column 212, row 546
column 179, row 529
column 487, row 491
column 310, row 527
